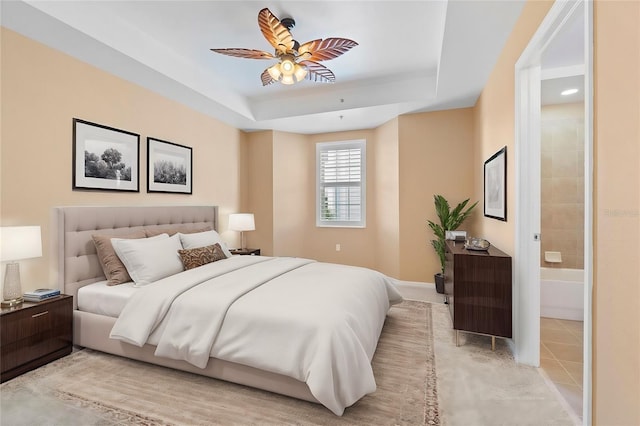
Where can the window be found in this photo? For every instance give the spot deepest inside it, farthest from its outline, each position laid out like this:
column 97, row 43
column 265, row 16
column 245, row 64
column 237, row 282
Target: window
column 340, row 183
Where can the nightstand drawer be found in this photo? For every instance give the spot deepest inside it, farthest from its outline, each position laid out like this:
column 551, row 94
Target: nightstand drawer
column 35, row 334
column 28, row 322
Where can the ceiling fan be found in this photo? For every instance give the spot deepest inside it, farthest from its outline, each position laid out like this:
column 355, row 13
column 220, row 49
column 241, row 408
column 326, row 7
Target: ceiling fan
column 295, row 61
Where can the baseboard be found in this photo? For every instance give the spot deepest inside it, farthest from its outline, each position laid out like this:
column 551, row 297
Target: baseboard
column 574, row 314
column 425, row 292
column 414, row 284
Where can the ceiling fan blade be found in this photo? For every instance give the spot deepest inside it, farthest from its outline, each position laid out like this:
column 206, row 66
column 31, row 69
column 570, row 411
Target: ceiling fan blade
column 323, row 50
column 305, row 50
column 266, row 78
column 318, row 72
column 245, row 53
column 276, row 34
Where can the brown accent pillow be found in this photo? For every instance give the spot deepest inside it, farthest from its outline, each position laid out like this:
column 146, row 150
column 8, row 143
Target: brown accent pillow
column 192, row 258
column 112, row 266
column 174, row 229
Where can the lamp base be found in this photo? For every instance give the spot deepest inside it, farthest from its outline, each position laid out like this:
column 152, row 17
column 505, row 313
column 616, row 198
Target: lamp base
column 12, row 291
column 11, row 303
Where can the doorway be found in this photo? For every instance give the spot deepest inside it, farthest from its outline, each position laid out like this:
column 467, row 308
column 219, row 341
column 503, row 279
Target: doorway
column 531, row 69
column 562, row 230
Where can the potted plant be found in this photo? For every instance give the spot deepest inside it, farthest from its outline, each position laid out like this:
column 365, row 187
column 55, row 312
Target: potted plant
column 450, row 220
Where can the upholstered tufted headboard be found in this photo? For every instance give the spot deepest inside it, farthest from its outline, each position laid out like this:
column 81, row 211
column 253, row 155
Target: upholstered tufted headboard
column 78, row 263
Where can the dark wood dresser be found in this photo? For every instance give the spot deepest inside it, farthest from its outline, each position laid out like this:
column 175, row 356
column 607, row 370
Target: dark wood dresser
column 34, row 334
column 478, row 290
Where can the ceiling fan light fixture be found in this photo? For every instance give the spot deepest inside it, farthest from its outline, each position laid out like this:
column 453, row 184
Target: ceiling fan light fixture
column 287, row 79
column 300, row 72
column 287, row 65
column 275, row 72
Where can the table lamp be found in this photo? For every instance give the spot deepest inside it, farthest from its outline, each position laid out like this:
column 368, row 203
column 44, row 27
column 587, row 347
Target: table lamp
column 242, row 222
column 17, row 243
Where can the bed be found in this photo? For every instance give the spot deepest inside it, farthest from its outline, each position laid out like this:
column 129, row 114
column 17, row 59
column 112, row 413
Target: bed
column 233, row 351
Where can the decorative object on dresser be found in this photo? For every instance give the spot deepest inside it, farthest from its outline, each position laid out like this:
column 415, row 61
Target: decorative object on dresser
column 477, row 244
column 478, row 290
column 495, row 185
column 242, row 222
column 246, row 252
column 34, row 334
column 105, row 158
column 449, row 220
column 169, row 167
column 18, row 243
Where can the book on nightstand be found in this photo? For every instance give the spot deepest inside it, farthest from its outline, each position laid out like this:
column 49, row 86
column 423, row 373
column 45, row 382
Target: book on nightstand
column 40, row 294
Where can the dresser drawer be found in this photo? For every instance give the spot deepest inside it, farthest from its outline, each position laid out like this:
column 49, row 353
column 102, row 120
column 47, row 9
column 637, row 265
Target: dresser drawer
column 35, row 334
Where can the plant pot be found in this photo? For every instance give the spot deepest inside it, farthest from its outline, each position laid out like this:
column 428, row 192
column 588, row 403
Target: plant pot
column 439, row 279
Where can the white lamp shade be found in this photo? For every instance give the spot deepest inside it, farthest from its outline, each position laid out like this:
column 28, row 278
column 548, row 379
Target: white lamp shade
column 20, row 242
column 241, row 222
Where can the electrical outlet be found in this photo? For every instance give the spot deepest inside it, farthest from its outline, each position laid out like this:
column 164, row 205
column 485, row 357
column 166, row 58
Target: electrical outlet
column 338, row 247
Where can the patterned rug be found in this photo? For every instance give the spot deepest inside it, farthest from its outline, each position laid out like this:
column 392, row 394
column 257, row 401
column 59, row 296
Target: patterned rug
column 90, row 387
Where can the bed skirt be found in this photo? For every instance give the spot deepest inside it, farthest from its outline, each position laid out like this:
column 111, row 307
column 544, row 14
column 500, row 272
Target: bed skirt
column 92, row 331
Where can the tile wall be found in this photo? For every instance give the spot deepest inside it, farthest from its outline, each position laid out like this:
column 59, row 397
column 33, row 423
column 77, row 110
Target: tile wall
column 562, row 185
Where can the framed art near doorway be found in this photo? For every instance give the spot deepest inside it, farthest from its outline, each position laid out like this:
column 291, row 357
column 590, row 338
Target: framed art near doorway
column 495, row 185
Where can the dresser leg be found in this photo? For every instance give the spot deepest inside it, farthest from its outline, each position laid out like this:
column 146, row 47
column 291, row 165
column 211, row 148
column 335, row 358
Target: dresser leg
column 457, row 334
column 493, row 343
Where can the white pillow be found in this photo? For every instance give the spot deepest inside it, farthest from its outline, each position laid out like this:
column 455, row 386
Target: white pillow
column 149, row 259
column 203, row 239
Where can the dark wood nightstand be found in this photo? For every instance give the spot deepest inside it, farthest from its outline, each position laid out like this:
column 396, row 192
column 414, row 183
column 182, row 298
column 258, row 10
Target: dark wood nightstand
column 34, row 334
column 246, row 252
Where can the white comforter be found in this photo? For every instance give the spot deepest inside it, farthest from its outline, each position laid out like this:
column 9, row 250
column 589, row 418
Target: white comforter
column 318, row 323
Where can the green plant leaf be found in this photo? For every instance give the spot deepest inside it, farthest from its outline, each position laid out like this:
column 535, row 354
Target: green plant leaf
column 450, row 220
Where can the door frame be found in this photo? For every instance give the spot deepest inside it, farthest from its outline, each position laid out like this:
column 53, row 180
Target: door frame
column 527, row 222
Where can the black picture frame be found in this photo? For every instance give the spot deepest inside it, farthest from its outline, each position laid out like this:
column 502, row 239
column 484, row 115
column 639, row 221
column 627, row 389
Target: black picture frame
column 104, row 158
column 169, row 167
column 495, row 186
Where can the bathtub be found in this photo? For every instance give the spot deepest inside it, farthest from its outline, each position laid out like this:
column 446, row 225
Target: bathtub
column 562, row 293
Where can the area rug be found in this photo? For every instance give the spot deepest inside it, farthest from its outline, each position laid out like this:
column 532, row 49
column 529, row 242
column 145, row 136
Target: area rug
column 90, row 387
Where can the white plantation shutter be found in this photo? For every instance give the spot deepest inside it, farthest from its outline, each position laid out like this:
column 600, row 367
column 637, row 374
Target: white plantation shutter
column 340, row 196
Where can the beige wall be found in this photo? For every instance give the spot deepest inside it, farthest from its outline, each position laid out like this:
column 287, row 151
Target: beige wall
column 259, row 187
column 405, row 168
column 281, row 185
column 293, row 193
column 562, row 184
column 616, row 330
column 42, row 91
column 387, row 199
column 495, row 121
column 435, row 153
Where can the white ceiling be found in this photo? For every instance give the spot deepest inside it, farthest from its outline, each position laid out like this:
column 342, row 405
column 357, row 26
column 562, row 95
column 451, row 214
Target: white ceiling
column 412, row 55
column 562, row 63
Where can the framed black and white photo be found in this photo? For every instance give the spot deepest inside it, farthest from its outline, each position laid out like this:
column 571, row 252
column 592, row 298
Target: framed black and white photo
column 105, row 158
column 168, row 167
column 495, row 185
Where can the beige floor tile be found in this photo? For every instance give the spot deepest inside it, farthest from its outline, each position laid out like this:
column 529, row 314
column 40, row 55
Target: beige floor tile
column 550, row 323
column 572, row 325
column 558, row 336
column 578, row 335
column 573, row 395
column 565, row 352
column 544, row 352
column 575, row 370
column 556, row 371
